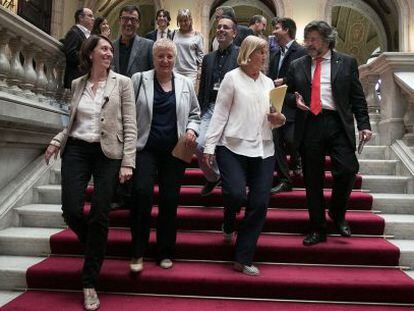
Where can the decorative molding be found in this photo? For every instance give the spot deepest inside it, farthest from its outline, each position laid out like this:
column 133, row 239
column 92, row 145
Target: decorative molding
column 365, row 10
column 404, row 153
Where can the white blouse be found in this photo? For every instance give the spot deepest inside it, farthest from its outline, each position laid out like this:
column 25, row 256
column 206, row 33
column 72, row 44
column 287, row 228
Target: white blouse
column 239, row 121
column 86, row 125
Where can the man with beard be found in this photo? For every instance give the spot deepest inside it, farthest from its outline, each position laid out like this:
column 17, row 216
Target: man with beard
column 329, row 96
column 132, row 53
column 284, row 30
column 215, row 65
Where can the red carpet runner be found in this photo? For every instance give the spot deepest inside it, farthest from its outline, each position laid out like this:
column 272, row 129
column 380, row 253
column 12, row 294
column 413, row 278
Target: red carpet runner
column 361, row 269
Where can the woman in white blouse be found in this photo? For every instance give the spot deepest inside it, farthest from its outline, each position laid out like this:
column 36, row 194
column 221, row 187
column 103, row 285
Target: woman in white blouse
column 99, row 141
column 189, row 44
column 240, row 134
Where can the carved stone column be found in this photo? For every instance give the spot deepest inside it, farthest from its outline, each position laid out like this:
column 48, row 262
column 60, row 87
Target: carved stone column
column 16, row 68
column 408, row 137
column 30, row 75
column 4, row 60
column 41, row 82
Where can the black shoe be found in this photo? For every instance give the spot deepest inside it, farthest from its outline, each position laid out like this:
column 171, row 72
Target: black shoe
column 209, row 187
column 281, row 187
column 297, row 171
column 341, row 226
column 314, row 238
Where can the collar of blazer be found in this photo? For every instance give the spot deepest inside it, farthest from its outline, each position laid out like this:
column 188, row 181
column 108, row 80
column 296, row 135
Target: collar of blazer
column 148, row 86
column 336, row 63
column 81, row 83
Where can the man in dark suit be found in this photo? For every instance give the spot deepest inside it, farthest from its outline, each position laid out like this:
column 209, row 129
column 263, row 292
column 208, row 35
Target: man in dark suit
column 284, row 30
column 215, row 65
column 132, row 53
column 162, row 19
column 72, row 43
column 329, row 96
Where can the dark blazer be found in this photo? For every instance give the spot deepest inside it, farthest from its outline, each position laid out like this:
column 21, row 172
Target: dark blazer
column 294, row 52
column 71, row 46
column 140, row 58
column 152, row 35
column 346, row 90
column 242, row 32
column 206, row 74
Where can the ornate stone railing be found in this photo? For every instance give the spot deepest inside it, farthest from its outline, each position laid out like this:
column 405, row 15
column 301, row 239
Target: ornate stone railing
column 389, row 93
column 31, row 62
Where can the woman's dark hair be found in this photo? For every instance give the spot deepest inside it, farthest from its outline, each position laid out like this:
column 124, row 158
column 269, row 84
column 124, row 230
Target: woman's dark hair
column 96, row 30
column 86, row 49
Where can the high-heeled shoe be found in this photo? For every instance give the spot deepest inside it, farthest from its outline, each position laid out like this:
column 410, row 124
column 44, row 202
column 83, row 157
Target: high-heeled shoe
column 91, row 300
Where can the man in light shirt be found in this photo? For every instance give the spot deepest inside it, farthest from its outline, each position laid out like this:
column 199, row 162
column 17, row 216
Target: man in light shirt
column 284, row 30
column 72, row 43
column 163, row 19
column 329, row 96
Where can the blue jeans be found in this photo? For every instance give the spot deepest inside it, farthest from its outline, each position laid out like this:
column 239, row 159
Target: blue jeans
column 212, row 174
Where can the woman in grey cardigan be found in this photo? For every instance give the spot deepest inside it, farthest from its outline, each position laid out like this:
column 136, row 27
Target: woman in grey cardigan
column 167, row 108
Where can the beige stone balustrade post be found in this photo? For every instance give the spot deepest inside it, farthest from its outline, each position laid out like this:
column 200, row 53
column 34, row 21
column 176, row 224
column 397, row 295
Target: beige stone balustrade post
column 41, row 81
column 51, row 78
column 408, row 137
column 30, row 75
column 405, row 81
column 60, row 90
column 4, row 60
column 16, row 69
column 369, row 84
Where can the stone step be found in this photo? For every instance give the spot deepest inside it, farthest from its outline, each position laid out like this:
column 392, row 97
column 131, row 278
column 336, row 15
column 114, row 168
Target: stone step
column 374, row 153
column 390, row 203
column 401, row 226
column 13, row 271
column 385, row 183
column 21, row 241
column 9, row 295
column 406, row 253
column 49, row 194
column 378, row 167
column 41, row 215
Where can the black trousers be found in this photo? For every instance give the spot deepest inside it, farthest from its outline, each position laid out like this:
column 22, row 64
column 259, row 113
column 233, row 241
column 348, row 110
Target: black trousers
column 237, row 172
column 80, row 161
column 325, row 135
column 170, row 172
column 284, row 145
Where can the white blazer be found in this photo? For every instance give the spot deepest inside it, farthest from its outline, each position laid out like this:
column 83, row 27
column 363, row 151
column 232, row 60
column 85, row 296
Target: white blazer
column 187, row 107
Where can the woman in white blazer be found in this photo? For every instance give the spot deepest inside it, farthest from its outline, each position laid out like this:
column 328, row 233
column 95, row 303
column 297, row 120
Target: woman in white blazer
column 240, row 133
column 167, row 108
column 99, row 141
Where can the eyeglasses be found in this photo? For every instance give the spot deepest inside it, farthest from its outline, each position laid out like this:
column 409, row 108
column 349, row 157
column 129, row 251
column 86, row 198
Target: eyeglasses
column 132, row 19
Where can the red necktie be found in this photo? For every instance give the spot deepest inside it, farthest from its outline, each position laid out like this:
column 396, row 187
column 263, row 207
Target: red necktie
column 316, row 105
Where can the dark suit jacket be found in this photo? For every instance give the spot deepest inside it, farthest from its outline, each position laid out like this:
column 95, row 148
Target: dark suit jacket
column 140, row 58
column 71, row 46
column 242, row 32
column 346, row 90
column 152, row 35
column 207, row 73
column 294, row 52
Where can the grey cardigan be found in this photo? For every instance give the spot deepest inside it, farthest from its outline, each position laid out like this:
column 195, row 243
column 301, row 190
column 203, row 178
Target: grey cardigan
column 187, row 107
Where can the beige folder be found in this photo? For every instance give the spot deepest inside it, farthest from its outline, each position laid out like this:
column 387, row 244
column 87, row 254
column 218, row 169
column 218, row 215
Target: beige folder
column 277, row 96
column 183, row 152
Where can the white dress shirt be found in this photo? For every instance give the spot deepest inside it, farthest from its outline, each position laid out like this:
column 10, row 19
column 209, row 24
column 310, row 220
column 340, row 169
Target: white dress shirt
column 162, row 32
column 283, row 52
column 327, row 99
column 239, row 121
column 85, row 30
column 87, row 125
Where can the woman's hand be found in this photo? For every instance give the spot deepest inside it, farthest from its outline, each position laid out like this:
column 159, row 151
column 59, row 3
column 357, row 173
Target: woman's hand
column 277, row 119
column 190, row 138
column 208, row 159
column 51, row 151
column 125, row 174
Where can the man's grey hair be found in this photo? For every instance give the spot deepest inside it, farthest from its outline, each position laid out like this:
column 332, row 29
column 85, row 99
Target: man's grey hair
column 327, row 32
